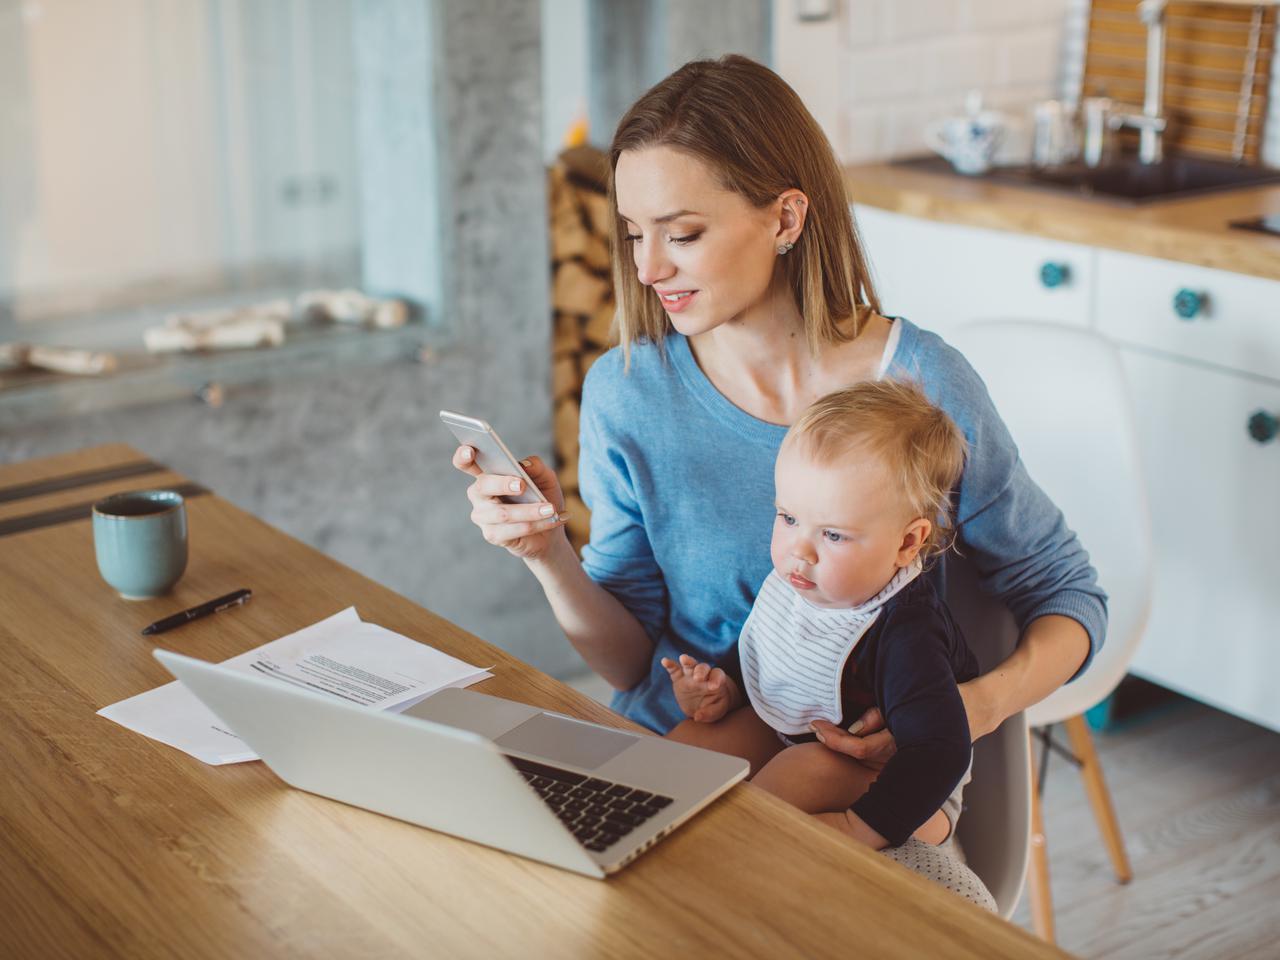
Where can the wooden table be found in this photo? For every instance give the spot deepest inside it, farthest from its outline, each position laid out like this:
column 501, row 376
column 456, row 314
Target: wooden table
column 115, row 845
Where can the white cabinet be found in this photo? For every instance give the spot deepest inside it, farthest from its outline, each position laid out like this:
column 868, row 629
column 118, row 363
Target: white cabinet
column 1214, row 631
column 940, row 274
column 1196, row 381
column 1201, row 348
column 1227, row 319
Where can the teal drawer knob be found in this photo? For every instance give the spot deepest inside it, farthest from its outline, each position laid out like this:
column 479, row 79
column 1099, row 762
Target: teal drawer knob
column 1055, row 274
column 1188, row 303
column 1263, row 426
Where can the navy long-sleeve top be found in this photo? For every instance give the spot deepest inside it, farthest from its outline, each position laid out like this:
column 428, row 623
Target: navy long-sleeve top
column 909, row 663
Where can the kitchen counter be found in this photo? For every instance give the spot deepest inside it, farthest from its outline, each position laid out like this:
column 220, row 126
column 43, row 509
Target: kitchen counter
column 1190, row 230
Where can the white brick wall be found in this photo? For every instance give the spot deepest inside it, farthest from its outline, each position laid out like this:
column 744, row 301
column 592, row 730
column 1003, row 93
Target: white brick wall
column 899, row 64
column 906, row 21
column 879, row 70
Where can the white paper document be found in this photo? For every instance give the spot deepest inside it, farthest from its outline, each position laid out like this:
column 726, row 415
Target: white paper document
column 341, row 657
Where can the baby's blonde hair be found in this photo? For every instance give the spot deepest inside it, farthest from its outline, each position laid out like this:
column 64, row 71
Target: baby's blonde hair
column 895, row 422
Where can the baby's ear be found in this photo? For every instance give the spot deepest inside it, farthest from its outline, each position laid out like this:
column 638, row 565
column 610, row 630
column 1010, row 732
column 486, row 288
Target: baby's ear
column 913, row 540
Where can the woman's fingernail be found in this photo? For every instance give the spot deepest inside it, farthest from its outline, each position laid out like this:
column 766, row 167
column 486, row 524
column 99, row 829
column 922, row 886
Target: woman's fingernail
column 547, row 510
column 564, row 517
column 821, row 738
column 856, row 726
column 466, row 454
column 514, row 486
column 526, row 462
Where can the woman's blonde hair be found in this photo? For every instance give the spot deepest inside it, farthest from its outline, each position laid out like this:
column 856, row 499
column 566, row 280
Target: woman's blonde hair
column 893, row 421
column 750, row 128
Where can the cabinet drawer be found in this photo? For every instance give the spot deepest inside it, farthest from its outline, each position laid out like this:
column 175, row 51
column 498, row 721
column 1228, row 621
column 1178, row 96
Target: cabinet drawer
column 1215, row 527
column 940, row 274
column 1235, row 321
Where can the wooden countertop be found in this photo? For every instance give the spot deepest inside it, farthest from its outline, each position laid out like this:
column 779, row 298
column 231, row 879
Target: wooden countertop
column 1192, row 230
column 115, row 845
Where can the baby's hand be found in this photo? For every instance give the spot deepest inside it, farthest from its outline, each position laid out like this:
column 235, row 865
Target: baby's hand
column 704, row 694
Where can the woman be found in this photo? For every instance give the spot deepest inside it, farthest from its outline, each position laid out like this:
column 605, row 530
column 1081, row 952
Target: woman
column 743, row 297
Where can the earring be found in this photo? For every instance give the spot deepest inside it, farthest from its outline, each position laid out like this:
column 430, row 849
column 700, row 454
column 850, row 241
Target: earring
column 785, row 247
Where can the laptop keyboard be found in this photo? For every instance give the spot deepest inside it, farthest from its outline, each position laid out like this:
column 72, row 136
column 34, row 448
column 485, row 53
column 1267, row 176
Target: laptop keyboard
column 599, row 812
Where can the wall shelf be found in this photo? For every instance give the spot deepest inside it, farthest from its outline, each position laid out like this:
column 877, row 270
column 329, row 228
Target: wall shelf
column 28, row 396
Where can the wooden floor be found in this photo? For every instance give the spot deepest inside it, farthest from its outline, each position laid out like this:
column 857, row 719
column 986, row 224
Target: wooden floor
column 1197, row 793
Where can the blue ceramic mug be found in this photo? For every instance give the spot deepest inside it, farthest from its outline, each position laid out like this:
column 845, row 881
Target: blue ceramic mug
column 140, row 540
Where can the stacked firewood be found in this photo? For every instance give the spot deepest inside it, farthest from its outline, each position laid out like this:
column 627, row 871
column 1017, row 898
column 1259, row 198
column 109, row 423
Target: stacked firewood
column 582, row 305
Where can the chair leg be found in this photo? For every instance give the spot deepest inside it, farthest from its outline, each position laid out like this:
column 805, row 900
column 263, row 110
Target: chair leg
column 1038, row 874
column 1099, row 797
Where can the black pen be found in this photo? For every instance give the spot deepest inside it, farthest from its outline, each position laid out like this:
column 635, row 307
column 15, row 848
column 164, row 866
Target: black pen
column 233, row 599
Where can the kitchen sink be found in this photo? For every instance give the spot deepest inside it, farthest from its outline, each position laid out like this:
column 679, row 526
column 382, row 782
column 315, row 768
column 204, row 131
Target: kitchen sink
column 1127, row 179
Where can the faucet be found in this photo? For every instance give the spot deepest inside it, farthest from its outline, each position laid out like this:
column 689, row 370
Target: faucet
column 1150, row 123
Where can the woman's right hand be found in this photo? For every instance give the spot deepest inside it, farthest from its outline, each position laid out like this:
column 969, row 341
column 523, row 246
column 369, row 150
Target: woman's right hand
column 527, row 530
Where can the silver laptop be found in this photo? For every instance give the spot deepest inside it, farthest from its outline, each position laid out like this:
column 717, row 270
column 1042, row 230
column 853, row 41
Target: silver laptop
column 572, row 794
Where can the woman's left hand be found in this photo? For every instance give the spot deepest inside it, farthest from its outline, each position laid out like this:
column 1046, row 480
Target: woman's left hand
column 872, row 744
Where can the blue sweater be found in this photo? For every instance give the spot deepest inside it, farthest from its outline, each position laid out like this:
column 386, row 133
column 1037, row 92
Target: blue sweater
column 679, row 482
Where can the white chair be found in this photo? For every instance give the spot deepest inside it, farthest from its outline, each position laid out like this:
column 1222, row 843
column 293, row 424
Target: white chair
column 1062, row 392
column 995, row 831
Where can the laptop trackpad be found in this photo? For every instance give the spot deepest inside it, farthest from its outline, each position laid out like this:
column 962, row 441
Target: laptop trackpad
column 566, row 741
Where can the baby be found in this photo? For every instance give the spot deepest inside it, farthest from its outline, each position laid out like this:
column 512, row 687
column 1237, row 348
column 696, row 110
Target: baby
column 845, row 622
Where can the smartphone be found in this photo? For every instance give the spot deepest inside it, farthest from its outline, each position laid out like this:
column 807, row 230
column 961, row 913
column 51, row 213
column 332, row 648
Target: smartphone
column 492, row 455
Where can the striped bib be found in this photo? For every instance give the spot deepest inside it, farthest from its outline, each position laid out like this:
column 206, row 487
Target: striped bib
column 793, row 653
